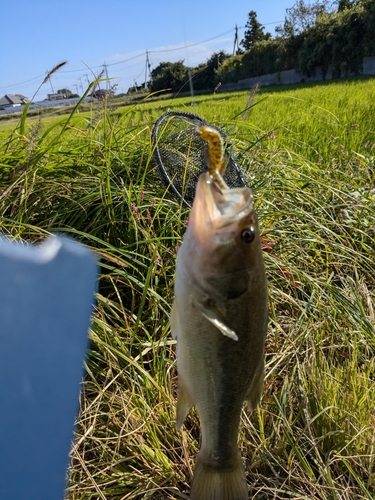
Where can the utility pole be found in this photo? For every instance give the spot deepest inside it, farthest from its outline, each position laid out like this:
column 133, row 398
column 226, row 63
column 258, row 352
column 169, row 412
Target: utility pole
column 76, row 86
column 191, row 83
column 235, row 40
column 50, row 81
column 81, row 84
column 148, row 66
column 87, row 78
column 106, row 75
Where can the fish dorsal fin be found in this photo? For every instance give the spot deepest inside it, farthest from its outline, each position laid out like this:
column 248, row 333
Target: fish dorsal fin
column 214, row 317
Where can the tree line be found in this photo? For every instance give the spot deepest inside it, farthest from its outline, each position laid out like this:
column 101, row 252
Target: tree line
column 336, row 33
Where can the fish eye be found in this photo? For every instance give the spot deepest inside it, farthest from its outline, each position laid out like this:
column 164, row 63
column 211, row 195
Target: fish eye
column 248, row 235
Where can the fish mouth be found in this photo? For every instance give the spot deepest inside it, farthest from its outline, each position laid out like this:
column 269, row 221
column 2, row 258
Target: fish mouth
column 223, row 206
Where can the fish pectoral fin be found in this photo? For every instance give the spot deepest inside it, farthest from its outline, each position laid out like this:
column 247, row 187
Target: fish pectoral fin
column 254, row 392
column 175, row 323
column 184, row 404
column 214, row 317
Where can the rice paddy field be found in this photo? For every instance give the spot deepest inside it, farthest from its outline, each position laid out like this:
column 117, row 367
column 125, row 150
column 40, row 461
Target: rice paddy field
column 309, row 154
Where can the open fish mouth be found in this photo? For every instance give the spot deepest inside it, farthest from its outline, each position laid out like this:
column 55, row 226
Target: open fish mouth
column 224, row 205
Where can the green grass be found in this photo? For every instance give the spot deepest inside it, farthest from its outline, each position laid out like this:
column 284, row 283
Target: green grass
column 91, row 175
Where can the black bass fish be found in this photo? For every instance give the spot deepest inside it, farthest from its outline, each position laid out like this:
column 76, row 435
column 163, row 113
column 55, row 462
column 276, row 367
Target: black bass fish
column 219, row 318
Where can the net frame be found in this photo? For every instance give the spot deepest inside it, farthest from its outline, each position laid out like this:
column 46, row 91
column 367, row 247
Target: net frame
column 182, row 155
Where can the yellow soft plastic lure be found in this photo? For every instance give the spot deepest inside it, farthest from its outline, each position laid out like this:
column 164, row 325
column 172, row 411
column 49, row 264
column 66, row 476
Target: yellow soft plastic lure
column 216, row 165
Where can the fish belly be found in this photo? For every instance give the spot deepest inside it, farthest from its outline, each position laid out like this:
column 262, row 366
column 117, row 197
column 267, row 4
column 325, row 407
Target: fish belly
column 216, row 375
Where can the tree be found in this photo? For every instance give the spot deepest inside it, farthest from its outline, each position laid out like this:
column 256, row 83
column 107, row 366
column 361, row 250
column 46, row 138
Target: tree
column 254, row 32
column 303, row 15
column 169, row 76
column 344, row 4
column 205, row 75
column 231, row 69
column 285, row 31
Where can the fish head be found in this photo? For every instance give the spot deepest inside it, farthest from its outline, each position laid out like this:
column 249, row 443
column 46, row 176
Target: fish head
column 222, row 240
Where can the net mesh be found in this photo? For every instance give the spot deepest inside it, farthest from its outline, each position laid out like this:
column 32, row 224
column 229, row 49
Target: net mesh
column 181, row 154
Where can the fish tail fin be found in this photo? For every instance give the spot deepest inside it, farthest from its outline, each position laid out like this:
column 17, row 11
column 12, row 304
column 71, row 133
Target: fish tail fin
column 213, row 483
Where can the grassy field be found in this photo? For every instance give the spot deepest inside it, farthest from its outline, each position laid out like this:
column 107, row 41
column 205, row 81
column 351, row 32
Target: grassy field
column 309, row 152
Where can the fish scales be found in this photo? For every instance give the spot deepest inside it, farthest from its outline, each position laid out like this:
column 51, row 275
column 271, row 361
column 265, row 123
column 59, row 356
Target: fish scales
column 219, row 318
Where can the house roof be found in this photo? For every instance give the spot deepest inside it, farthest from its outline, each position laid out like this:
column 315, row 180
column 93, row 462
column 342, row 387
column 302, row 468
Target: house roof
column 100, row 93
column 9, row 99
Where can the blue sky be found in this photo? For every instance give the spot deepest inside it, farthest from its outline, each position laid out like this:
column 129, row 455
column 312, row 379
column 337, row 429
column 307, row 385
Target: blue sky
column 37, row 34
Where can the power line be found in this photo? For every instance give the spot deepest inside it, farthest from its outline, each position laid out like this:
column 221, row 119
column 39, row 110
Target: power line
column 192, row 45
column 274, row 22
column 136, row 78
column 143, row 54
column 22, row 83
column 126, row 60
column 101, row 65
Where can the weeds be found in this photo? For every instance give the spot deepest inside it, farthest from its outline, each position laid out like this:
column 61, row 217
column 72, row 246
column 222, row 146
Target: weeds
column 92, row 176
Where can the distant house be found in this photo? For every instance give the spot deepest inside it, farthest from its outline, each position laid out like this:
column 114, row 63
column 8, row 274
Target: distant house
column 60, row 94
column 13, row 100
column 102, row 94
column 136, row 88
